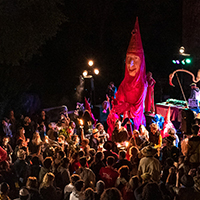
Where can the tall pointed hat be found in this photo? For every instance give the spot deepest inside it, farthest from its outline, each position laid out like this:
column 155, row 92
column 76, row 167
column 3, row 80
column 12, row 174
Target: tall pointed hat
column 135, row 44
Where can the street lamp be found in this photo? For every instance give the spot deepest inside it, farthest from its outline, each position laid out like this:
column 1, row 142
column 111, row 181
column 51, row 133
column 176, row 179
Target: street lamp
column 96, row 71
column 85, row 73
column 90, row 63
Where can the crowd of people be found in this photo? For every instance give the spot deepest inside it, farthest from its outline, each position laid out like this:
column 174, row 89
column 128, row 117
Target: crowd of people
column 75, row 159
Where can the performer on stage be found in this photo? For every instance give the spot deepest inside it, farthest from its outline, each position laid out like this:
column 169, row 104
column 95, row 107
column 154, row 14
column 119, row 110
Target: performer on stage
column 149, row 101
column 131, row 93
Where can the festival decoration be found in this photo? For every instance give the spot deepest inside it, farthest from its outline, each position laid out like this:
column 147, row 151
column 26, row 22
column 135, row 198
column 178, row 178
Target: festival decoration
column 171, row 76
column 131, row 93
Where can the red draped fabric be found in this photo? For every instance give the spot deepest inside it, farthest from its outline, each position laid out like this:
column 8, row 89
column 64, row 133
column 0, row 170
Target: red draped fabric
column 131, row 93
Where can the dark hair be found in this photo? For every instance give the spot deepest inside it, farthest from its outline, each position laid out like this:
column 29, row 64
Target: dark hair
column 98, row 156
column 89, row 194
column 124, row 172
column 195, row 129
column 122, row 154
column 65, row 161
column 4, row 187
column 79, row 185
column 111, row 193
column 32, row 182
column 81, row 153
column 86, row 141
column 75, row 178
column 61, row 153
column 151, row 191
column 35, row 160
column 47, row 162
column 110, row 160
column 83, row 161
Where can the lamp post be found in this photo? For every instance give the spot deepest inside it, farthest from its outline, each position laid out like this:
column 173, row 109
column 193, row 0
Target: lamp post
column 89, row 87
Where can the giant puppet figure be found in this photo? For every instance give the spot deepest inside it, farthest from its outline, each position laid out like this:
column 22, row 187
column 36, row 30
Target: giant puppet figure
column 131, row 93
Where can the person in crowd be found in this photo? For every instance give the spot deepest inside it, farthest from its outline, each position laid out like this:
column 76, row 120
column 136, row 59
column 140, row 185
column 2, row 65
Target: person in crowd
column 136, row 140
column 35, row 167
column 51, row 133
column 59, row 156
column 92, row 155
column 47, row 189
column 108, row 146
column 151, row 191
column 75, row 164
column 143, row 133
column 123, row 161
column 35, row 145
column 172, row 133
column 103, row 136
column 21, row 168
column 89, row 194
column 78, row 192
column 98, row 164
column 120, row 134
column 111, row 90
column 23, row 194
column 63, row 175
column 28, row 127
column 47, row 167
column 86, row 174
column 70, row 187
column 7, row 147
column 169, row 150
column 43, row 119
column 72, row 127
column 149, row 164
column 134, row 159
column 155, row 137
column 4, row 190
column 108, row 174
column 193, row 150
column 32, row 187
column 21, row 135
column 110, row 194
column 122, row 179
column 100, row 186
column 6, row 126
column 94, row 140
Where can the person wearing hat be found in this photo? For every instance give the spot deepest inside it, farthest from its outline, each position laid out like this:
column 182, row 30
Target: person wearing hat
column 149, row 164
column 187, row 190
column 193, row 148
column 194, row 91
column 23, row 194
column 94, row 140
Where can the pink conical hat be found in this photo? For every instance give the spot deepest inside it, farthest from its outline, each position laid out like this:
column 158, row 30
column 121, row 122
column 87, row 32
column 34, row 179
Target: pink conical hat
column 135, row 44
column 167, row 116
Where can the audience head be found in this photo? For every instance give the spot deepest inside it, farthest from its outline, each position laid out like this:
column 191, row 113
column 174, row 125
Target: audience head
column 79, row 185
column 83, row 161
column 195, row 129
column 110, row 160
column 65, row 162
column 4, row 188
column 32, row 182
column 122, row 154
column 47, row 162
column 21, row 154
column 134, row 182
column 48, row 179
column 75, row 178
column 124, row 172
column 23, row 194
column 151, row 191
column 100, row 186
column 99, row 156
column 89, row 194
column 111, row 193
column 133, row 151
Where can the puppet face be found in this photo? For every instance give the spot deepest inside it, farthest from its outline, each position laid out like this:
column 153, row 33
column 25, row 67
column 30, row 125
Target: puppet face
column 133, row 64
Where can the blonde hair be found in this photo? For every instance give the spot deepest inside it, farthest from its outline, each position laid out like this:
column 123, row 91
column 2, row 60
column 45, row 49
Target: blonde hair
column 48, row 179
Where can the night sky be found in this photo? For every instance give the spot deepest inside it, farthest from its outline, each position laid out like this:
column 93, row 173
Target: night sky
column 101, row 31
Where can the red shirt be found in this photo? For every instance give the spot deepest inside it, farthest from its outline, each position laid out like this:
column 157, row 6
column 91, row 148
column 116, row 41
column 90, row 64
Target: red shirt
column 109, row 176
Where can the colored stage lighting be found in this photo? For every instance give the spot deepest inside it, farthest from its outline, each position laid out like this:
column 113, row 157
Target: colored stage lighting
column 188, row 60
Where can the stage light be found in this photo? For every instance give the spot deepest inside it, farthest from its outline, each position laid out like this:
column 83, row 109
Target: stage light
column 188, row 60
column 85, row 73
column 182, row 50
column 90, row 63
column 183, row 62
column 177, row 62
column 96, row 71
column 174, row 61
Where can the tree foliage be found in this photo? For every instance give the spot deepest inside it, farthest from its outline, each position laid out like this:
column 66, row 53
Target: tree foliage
column 25, row 26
